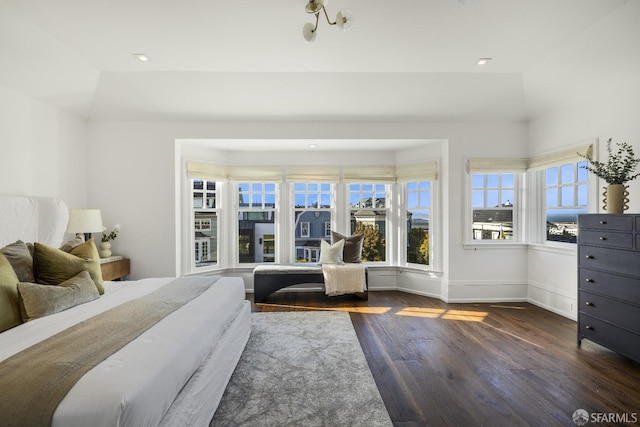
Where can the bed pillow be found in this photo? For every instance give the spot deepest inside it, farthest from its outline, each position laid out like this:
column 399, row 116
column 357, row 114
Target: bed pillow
column 53, row 266
column 20, row 258
column 42, row 300
column 352, row 246
column 9, row 305
column 331, row 254
column 71, row 244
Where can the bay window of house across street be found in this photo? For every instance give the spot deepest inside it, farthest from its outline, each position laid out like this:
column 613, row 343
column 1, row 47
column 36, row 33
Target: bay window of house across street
column 368, row 215
column 566, row 192
column 256, row 222
column 312, row 218
column 205, row 222
column 418, row 216
column 492, row 200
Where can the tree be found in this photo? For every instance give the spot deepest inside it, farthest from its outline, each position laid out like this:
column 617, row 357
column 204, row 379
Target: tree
column 373, row 247
column 418, row 246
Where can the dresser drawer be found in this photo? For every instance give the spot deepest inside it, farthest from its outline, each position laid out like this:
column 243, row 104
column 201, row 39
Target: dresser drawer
column 613, row 337
column 614, row 311
column 599, row 282
column 606, row 238
column 606, row 222
column 614, row 260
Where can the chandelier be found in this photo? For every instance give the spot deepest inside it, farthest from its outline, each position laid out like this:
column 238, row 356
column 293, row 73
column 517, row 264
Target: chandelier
column 344, row 19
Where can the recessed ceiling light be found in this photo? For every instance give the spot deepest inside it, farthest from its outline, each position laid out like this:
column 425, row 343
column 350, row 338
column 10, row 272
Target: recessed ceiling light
column 141, row 57
column 312, row 145
column 483, row 61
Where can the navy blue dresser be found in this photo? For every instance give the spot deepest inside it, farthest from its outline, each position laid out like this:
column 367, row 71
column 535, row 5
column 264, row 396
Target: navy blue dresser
column 609, row 282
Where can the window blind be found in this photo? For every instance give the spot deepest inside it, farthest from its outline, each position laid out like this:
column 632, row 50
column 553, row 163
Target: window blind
column 312, row 173
column 497, row 165
column 206, row 171
column 212, row 172
column 425, row 171
column 567, row 155
column 374, row 174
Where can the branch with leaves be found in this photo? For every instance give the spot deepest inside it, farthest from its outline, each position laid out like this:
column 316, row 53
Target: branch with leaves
column 620, row 166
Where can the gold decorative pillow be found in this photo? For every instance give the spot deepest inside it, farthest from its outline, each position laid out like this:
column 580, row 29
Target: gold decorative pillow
column 21, row 260
column 9, row 306
column 53, row 266
column 352, row 246
column 42, row 300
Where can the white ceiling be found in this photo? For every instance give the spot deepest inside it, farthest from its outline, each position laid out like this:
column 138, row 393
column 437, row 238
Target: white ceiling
column 409, row 60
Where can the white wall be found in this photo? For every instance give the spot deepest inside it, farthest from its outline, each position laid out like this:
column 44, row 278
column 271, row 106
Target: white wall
column 600, row 99
column 42, row 150
column 133, row 184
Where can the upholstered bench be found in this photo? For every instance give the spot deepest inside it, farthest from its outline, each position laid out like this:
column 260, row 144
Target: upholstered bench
column 268, row 278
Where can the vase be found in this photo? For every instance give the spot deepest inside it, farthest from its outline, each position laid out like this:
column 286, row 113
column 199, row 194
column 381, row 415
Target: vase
column 105, row 250
column 615, row 198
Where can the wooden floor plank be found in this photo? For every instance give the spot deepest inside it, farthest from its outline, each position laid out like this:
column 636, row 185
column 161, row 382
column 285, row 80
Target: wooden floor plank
column 515, row 364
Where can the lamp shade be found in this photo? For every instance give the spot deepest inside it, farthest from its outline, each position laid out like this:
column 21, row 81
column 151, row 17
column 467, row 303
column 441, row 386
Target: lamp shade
column 344, row 19
column 84, row 221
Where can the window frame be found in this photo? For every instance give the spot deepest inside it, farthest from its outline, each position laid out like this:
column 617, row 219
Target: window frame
column 388, row 209
column 240, row 210
column 575, row 184
column 518, row 240
column 404, row 209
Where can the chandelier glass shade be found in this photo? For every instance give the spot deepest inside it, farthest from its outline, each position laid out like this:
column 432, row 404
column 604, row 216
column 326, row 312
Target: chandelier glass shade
column 344, row 19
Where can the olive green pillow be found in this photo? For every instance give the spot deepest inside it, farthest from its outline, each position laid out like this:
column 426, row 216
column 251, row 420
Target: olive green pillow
column 41, row 300
column 53, row 266
column 21, row 260
column 9, row 306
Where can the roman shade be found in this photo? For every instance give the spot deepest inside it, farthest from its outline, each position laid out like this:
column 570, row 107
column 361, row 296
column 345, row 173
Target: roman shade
column 567, row 155
column 490, row 165
column 312, row 173
column 424, row 171
column 213, row 172
column 374, row 174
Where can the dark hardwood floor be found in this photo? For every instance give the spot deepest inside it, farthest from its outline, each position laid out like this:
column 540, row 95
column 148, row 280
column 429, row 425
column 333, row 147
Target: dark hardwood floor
column 511, row 364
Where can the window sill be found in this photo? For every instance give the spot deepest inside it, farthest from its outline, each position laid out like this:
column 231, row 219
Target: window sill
column 494, row 245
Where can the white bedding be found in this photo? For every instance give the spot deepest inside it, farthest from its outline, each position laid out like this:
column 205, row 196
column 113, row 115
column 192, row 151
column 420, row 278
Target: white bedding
column 137, row 385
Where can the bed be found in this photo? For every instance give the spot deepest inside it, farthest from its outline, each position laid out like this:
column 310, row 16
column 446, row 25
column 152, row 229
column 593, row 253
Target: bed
column 172, row 374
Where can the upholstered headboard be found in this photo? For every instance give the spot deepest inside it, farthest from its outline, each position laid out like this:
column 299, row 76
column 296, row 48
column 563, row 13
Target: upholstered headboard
column 32, row 219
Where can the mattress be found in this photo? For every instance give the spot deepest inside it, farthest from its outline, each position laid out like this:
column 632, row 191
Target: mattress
column 139, row 384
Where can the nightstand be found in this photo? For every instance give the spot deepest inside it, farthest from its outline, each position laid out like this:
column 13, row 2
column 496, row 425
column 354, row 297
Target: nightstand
column 115, row 269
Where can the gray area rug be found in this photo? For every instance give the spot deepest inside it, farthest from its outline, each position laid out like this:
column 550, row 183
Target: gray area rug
column 302, row 369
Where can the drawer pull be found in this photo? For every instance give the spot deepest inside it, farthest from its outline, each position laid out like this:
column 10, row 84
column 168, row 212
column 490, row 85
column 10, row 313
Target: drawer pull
column 589, row 327
column 603, row 222
column 589, row 303
column 588, row 280
column 603, row 238
column 589, row 257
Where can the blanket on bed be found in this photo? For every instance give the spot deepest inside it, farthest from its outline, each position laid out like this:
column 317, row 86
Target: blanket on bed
column 35, row 381
column 340, row 279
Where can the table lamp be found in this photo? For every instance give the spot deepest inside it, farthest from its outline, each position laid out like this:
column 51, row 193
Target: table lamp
column 85, row 221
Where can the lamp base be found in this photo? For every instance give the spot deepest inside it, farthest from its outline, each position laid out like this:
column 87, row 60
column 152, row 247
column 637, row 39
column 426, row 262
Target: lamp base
column 87, row 236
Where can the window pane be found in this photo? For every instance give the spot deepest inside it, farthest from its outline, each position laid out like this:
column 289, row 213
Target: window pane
column 566, row 173
column 562, row 224
column 507, row 180
column 310, row 228
column 256, row 237
column 425, row 199
column 325, row 200
column 270, row 200
column 205, row 238
column 493, row 181
column 418, row 237
column 492, row 224
column 507, row 198
column 371, row 223
column 325, row 188
column 582, row 194
column 425, row 185
column 478, row 180
column 256, row 187
column 313, row 201
column 299, row 200
column 412, row 200
column 567, row 196
column 552, row 176
column 492, row 198
column 412, row 186
column 583, row 174
column 552, row 197
column 198, row 200
column 478, row 199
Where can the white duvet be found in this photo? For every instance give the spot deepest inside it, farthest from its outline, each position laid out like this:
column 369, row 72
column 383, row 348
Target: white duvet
column 137, row 385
